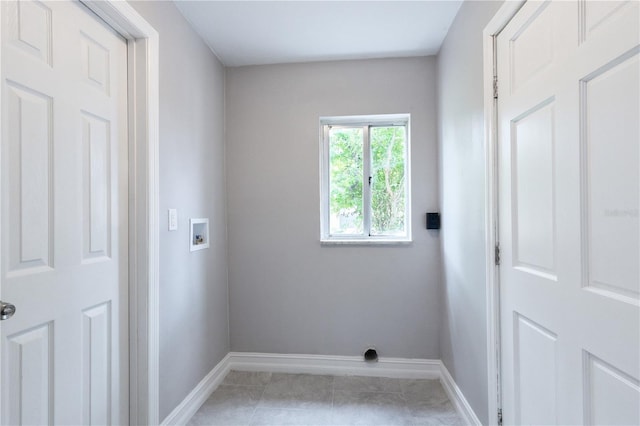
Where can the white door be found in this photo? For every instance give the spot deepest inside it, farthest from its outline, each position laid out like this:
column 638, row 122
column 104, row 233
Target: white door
column 569, row 112
column 64, row 216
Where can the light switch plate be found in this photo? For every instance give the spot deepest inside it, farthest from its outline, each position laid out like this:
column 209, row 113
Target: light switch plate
column 173, row 219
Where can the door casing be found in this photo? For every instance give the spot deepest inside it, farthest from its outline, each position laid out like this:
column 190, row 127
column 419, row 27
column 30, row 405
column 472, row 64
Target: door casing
column 491, row 31
column 143, row 116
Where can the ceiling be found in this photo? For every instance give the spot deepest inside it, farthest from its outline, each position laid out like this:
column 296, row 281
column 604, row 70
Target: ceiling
column 270, row 32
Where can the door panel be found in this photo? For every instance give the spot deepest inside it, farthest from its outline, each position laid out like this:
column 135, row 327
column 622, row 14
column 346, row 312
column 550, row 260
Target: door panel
column 30, row 379
column 532, row 47
column 64, row 193
column 569, row 186
column 597, row 15
column 535, row 365
column 611, row 179
column 96, row 363
column 31, row 30
column 97, row 187
column 611, row 396
column 532, row 183
column 30, row 148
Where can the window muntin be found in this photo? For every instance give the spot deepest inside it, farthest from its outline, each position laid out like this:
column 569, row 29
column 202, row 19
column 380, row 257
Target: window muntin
column 365, row 179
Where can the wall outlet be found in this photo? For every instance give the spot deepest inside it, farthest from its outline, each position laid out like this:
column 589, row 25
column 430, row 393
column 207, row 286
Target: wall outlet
column 173, row 219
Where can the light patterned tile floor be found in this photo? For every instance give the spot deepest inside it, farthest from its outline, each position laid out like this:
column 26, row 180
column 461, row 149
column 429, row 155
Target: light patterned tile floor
column 257, row 398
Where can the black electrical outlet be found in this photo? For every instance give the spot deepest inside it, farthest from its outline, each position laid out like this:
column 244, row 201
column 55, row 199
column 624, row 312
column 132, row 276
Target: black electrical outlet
column 433, row 220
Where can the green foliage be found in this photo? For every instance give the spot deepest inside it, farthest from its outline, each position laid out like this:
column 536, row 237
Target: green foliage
column 388, row 181
column 387, row 146
column 346, row 179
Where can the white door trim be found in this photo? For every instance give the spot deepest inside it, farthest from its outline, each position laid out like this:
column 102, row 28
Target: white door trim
column 143, row 66
column 493, row 28
column 143, row 104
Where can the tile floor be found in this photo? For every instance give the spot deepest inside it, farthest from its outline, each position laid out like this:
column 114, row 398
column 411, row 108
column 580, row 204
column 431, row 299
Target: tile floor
column 257, row 398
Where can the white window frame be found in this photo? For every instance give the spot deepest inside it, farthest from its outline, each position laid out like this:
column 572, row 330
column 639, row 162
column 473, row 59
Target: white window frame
column 365, row 121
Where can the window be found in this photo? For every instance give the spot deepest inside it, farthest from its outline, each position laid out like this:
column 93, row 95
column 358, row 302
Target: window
column 365, row 179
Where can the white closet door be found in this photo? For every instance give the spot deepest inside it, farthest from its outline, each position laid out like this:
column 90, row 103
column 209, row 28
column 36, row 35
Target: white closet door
column 64, row 216
column 569, row 188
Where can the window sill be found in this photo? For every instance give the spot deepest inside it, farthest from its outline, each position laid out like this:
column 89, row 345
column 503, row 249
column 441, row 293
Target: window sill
column 363, row 242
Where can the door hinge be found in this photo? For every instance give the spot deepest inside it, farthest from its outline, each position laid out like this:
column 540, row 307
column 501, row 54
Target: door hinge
column 499, row 416
column 496, row 254
column 495, row 87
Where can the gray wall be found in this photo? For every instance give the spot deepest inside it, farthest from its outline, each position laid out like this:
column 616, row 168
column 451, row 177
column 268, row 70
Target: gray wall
column 193, row 286
column 289, row 294
column 462, row 168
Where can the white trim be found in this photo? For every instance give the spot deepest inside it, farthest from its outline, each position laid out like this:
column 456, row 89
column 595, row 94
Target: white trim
column 367, row 242
column 335, row 365
column 143, row 80
column 493, row 28
column 203, row 390
column 1, row 206
column 365, row 122
column 457, row 398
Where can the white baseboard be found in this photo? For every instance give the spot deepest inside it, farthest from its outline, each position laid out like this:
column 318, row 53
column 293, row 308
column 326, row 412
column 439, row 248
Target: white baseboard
column 400, row 368
column 335, row 365
column 203, row 390
column 457, row 398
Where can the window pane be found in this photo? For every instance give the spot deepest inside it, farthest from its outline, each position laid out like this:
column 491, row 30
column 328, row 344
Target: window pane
column 345, row 181
column 388, row 198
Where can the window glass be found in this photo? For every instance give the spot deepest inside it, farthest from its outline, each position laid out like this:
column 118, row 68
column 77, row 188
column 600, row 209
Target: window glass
column 345, row 181
column 388, row 154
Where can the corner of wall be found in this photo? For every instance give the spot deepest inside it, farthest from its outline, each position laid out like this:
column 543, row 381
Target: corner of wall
column 226, row 196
